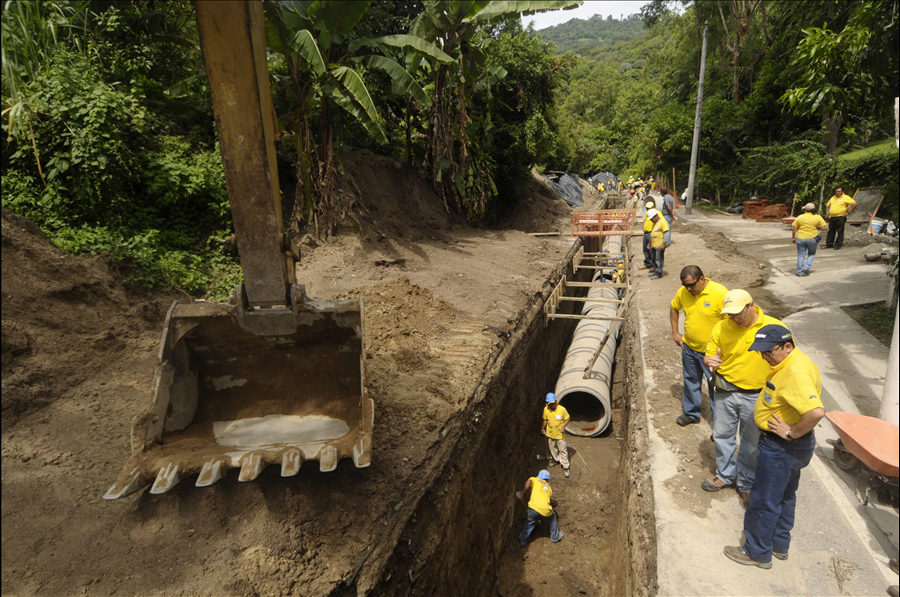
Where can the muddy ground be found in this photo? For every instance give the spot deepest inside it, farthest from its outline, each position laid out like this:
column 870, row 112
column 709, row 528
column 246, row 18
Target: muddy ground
column 442, row 301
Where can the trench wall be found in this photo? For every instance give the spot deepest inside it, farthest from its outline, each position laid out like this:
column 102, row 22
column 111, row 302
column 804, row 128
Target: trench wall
column 452, row 542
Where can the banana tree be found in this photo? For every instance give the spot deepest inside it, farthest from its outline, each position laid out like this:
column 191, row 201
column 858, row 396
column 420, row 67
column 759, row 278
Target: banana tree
column 322, row 82
column 458, row 142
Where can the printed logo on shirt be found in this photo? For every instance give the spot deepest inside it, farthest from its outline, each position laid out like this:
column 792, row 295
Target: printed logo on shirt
column 707, row 304
column 559, row 417
column 812, row 396
column 546, row 488
column 767, row 397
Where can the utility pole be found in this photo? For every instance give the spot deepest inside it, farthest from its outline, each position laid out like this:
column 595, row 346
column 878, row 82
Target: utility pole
column 695, row 148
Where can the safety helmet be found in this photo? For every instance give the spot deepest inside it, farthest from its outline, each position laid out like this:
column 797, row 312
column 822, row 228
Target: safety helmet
column 631, row 191
column 544, row 474
column 650, row 205
column 551, row 397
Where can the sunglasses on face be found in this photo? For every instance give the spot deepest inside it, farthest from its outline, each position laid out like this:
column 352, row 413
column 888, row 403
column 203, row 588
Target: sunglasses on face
column 692, row 284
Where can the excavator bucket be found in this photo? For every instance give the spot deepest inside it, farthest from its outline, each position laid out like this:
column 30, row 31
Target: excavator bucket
column 272, row 377
column 240, row 388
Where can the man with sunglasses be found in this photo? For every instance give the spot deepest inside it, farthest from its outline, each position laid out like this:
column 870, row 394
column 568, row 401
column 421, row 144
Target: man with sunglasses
column 787, row 411
column 740, row 376
column 701, row 300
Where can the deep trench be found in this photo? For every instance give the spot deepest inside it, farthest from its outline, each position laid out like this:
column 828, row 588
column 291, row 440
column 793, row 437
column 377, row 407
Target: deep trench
column 454, row 542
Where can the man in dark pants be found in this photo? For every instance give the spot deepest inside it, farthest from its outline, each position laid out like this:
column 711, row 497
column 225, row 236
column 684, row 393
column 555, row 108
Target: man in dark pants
column 787, row 411
column 648, row 226
column 838, row 208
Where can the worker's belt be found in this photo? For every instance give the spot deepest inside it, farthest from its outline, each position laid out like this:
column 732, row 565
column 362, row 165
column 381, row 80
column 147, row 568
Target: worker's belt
column 724, row 385
column 775, row 436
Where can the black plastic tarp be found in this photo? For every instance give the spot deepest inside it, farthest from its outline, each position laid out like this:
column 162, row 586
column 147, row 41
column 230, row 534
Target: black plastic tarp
column 568, row 188
column 609, row 180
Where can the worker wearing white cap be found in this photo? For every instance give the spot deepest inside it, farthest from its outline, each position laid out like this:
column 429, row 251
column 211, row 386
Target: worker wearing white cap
column 555, row 419
column 539, row 507
column 805, row 234
column 740, row 375
column 648, row 227
column 657, row 244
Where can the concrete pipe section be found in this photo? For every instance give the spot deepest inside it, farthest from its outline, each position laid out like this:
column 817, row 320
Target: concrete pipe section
column 588, row 400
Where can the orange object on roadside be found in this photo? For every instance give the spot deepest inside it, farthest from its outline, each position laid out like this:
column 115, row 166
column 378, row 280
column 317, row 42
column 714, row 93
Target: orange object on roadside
column 875, row 442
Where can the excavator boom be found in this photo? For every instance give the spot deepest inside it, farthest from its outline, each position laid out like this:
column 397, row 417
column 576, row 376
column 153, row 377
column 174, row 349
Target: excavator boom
column 273, row 377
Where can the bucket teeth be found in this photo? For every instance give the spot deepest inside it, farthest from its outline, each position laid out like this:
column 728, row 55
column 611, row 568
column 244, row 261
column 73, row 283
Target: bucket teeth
column 127, row 487
column 328, row 459
column 166, row 479
column 362, row 452
column 251, row 466
column 290, row 463
column 211, row 472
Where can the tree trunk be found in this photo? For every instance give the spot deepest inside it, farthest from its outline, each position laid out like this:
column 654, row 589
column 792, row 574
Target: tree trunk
column 408, row 132
column 832, row 128
column 736, row 73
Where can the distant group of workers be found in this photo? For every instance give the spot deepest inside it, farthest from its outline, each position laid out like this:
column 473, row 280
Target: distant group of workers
column 762, row 389
column 806, row 229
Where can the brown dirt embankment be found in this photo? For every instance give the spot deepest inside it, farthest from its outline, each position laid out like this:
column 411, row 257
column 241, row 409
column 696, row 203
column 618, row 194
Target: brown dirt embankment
column 441, row 300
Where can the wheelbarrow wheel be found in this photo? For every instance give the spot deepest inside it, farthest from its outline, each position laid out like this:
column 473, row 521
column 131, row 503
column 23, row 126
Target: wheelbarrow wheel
column 844, row 459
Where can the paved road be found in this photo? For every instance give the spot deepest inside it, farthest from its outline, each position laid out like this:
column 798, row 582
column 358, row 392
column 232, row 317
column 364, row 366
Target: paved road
column 833, row 528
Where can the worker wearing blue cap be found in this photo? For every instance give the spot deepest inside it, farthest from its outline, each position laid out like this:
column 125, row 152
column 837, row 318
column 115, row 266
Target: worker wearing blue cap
column 787, row 411
column 554, row 427
column 539, row 507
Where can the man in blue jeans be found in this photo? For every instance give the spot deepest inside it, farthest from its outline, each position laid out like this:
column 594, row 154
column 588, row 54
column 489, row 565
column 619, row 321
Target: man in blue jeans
column 805, row 235
column 701, row 300
column 539, row 507
column 787, row 411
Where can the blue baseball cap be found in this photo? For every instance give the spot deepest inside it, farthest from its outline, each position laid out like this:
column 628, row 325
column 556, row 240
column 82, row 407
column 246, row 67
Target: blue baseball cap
column 770, row 336
column 551, row 397
column 545, row 475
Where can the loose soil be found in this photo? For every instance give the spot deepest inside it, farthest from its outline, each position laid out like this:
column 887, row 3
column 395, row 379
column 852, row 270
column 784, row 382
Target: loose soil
column 442, row 301
column 876, row 318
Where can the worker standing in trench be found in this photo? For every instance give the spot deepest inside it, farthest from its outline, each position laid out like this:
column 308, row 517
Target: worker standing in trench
column 539, row 507
column 554, row 427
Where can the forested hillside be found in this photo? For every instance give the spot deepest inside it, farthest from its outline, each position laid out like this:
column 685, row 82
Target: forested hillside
column 587, row 36
column 111, row 147
column 784, row 96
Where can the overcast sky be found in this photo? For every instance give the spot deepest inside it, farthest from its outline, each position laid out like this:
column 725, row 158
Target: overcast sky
column 585, row 11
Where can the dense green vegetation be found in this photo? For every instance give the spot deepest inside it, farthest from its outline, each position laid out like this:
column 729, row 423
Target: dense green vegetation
column 110, row 141
column 788, row 101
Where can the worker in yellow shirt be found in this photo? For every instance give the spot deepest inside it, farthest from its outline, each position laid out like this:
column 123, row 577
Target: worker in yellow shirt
column 555, row 419
column 652, row 183
column 787, row 411
column 630, row 180
column 658, row 243
column 836, row 210
column 648, row 227
column 621, row 186
column 701, row 300
column 805, row 234
column 740, row 376
column 539, row 507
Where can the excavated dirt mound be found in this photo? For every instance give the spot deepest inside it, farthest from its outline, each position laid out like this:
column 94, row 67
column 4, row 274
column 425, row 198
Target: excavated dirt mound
column 63, row 319
column 78, row 358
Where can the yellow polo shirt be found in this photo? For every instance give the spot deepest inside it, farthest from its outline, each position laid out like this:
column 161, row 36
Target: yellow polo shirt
column 657, row 238
column 555, row 421
column 747, row 370
column 540, row 497
column 701, row 313
column 838, row 206
column 648, row 224
column 807, row 225
column 794, row 387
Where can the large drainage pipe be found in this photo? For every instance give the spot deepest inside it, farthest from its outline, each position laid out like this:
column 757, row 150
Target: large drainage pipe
column 587, row 398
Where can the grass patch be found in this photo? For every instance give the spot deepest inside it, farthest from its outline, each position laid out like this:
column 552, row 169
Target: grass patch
column 876, row 318
column 884, row 146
